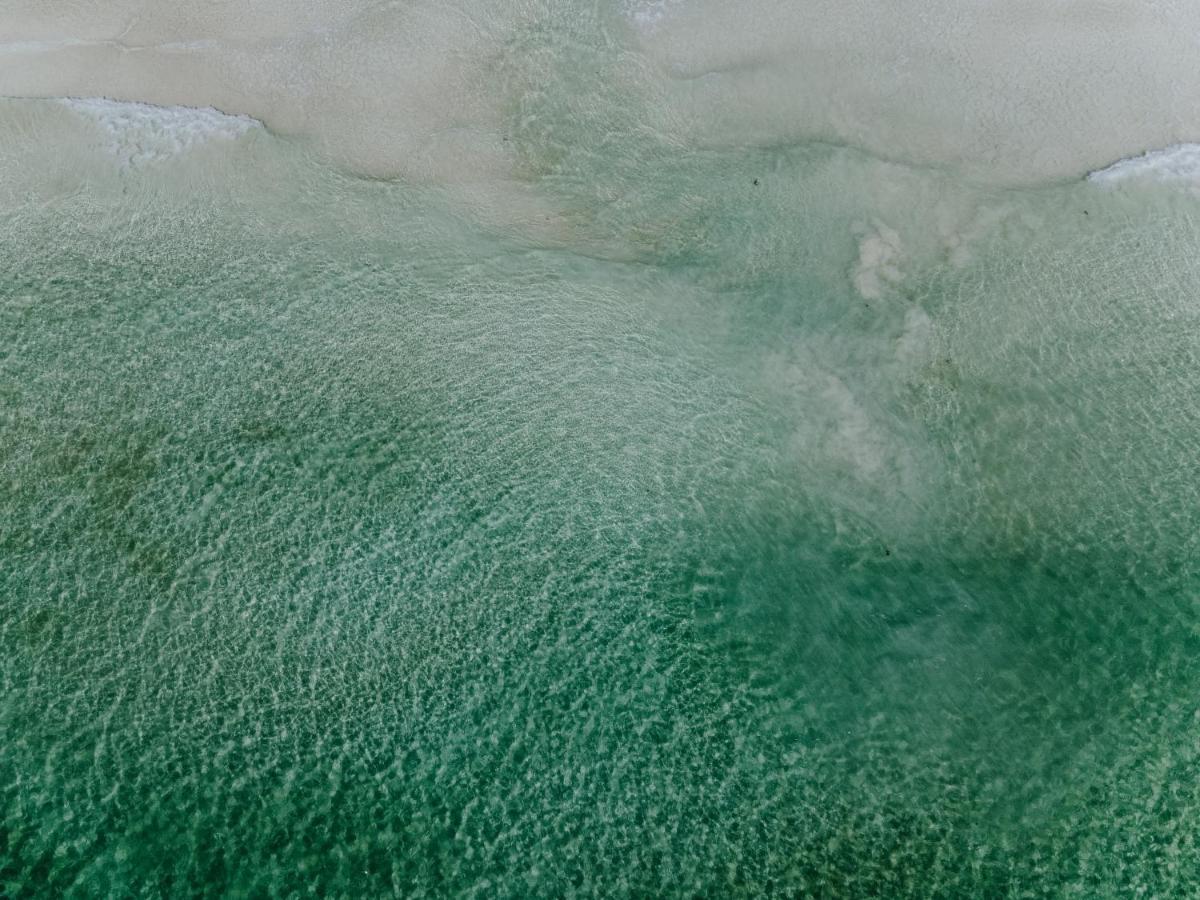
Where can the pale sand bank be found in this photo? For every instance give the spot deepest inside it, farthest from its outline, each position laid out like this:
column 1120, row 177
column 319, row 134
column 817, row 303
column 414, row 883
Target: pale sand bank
column 1006, row 92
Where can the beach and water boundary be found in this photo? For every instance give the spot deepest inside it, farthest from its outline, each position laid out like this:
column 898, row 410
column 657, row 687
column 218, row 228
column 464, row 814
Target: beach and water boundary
column 648, row 514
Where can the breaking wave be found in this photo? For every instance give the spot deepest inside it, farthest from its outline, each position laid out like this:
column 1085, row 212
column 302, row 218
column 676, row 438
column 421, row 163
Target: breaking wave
column 141, row 133
column 1180, row 162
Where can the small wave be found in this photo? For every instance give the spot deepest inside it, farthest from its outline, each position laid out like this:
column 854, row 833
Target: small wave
column 1180, row 162
column 141, row 133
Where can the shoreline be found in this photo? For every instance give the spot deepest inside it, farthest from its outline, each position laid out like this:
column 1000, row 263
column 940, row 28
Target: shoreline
column 1003, row 98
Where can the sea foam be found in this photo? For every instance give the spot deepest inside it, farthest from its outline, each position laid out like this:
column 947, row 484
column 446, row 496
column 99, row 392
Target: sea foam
column 1180, row 162
column 648, row 14
column 141, row 134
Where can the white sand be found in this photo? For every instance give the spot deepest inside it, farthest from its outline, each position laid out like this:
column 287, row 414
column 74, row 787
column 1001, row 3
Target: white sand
column 386, row 89
column 1009, row 90
column 1013, row 91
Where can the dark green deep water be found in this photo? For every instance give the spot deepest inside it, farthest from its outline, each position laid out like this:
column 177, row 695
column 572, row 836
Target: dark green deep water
column 351, row 547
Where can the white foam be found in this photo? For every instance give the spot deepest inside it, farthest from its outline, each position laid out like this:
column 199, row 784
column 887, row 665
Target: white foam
column 142, row 134
column 1180, row 162
column 647, row 14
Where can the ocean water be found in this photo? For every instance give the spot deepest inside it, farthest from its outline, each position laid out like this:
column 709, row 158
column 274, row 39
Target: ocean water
column 733, row 521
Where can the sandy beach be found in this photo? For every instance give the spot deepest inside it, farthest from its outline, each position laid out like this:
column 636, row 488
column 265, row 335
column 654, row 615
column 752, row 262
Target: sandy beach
column 1007, row 93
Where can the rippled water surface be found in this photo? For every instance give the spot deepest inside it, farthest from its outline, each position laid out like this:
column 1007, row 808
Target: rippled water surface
column 771, row 521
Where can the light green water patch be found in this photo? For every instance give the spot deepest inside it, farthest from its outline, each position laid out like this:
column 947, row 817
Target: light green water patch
column 826, row 535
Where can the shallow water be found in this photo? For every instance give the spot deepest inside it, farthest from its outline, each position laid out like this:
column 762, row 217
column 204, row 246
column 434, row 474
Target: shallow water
column 730, row 521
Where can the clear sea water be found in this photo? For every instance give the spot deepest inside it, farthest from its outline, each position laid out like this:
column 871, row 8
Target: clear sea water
column 764, row 522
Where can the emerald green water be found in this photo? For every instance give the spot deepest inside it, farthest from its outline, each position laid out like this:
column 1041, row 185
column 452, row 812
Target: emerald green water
column 356, row 545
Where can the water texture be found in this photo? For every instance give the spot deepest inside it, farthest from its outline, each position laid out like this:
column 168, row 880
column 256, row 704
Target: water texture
column 761, row 520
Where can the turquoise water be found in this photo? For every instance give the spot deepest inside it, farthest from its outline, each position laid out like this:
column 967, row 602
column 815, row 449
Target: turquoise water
column 774, row 521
